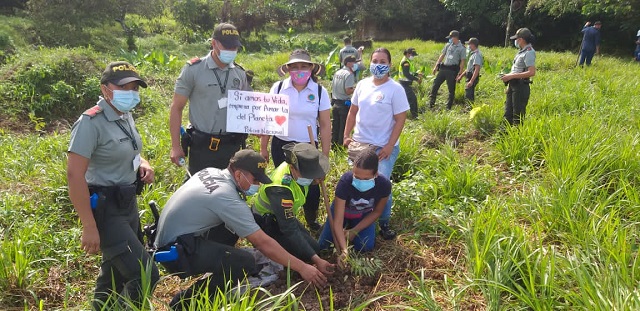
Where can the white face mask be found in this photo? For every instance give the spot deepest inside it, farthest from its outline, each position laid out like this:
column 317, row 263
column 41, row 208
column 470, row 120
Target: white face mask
column 515, row 42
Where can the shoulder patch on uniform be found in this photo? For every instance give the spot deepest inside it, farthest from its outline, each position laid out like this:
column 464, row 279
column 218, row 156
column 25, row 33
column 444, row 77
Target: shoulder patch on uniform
column 406, row 64
column 286, row 203
column 529, row 49
column 286, row 180
column 93, row 111
column 194, row 61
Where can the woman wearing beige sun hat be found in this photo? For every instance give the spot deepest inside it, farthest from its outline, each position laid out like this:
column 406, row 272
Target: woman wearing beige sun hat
column 309, row 104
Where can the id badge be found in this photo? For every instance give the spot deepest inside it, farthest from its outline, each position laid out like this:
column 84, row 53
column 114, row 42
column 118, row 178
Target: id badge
column 136, row 162
column 222, row 103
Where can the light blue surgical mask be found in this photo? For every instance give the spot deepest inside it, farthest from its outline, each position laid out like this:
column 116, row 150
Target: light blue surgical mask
column 253, row 188
column 125, row 101
column 450, row 40
column 227, row 57
column 355, row 67
column 363, row 185
column 304, row 181
column 515, row 42
column 379, row 70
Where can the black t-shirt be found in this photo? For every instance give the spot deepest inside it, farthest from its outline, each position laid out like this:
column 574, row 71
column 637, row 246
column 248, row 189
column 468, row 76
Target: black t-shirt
column 358, row 203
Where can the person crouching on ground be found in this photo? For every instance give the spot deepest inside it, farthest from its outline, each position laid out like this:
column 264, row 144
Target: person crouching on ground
column 361, row 195
column 277, row 204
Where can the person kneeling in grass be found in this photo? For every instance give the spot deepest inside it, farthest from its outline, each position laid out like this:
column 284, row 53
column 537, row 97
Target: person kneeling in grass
column 361, row 195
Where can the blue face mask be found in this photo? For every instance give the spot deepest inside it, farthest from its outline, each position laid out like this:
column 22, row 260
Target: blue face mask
column 304, row 181
column 227, row 57
column 355, row 67
column 379, row 70
column 253, row 188
column 515, row 42
column 450, row 40
column 363, row 185
column 124, row 101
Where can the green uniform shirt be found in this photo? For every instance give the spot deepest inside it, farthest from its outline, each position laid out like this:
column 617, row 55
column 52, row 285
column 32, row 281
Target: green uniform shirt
column 525, row 58
column 454, row 54
column 475, row 58
column 342, row 80
column 111, row 153
column 282, row 198
column 199, row 83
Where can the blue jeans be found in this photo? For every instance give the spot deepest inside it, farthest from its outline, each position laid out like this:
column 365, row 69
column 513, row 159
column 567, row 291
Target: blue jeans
column 364, row 240
column 586, row 55
column 385, row 167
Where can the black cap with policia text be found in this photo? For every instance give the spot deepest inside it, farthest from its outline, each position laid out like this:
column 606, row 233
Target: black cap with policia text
column 228, row 35
column 121, row 73
column 252, row 162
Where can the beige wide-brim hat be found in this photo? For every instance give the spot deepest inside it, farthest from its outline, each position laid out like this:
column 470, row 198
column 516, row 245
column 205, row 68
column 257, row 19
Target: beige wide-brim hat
column 301, row 56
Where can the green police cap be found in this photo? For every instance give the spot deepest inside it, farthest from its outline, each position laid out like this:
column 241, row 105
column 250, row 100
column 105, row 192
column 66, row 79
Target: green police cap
column 121, row 73
column 307, row 159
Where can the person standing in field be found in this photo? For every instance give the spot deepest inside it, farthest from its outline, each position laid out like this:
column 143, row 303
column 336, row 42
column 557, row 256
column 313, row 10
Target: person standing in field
column 309, row 105
column 472, row 74
column 449, row 66
column 407, row 74
column 377, row 116
column 342, row 86
column 519, row 79
column 205, row 83
column 636, row 54
column 105, row 171
column 590, row 42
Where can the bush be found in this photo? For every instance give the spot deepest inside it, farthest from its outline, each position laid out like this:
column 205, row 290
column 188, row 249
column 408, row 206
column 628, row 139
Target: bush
column 60, row 84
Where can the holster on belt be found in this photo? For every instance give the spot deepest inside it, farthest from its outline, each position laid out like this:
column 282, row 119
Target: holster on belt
column 202, row 140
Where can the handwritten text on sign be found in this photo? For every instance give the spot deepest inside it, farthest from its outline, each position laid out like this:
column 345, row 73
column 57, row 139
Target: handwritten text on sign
column 258, row 113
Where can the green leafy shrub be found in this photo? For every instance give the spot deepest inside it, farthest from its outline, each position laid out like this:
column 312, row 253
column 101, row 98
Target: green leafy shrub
column 59, row 83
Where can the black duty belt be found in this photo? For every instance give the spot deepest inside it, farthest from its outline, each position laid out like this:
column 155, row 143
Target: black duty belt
column 212, row 141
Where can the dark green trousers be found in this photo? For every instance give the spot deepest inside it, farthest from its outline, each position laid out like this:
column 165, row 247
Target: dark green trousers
column 124, row 258
column 515, row 106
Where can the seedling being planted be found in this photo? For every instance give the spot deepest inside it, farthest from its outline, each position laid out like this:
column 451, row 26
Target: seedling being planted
column 363, row 266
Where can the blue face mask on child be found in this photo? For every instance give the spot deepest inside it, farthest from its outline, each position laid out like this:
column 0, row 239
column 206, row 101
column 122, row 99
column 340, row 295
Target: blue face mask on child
column 363, row 185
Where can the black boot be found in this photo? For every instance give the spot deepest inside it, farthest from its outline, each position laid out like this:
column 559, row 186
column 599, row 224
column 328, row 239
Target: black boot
column 386, row 232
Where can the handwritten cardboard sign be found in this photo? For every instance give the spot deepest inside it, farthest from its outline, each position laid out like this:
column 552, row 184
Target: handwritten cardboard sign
column 258, row 113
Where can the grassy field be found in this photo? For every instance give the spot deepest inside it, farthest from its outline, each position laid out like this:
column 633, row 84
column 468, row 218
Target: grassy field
column 539, row 217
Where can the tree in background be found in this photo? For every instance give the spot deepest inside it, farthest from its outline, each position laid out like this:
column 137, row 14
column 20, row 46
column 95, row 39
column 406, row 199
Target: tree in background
column 64, row 22
column 626, row 13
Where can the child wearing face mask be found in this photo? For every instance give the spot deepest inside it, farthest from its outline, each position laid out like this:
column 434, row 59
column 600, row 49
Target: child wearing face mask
column 360, row 198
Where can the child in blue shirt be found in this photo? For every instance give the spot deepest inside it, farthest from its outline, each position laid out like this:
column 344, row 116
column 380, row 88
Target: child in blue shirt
column 360, row 197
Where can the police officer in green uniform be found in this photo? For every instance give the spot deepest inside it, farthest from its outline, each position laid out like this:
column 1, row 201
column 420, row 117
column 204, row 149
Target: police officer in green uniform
column 472, row 74
column 407, row 74
column 206, row 82
column 103, row 170
column 449, row 66
column 277, row 204
column 519, row 79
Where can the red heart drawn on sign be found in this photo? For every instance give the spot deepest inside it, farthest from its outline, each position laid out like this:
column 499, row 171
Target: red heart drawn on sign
column 280, row 120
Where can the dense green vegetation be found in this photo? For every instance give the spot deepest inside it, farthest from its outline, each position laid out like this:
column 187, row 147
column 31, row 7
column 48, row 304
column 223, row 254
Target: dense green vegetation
column 543, row 216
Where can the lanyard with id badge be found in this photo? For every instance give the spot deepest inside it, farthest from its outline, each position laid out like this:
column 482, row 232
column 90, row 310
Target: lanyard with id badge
column 222, row 102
